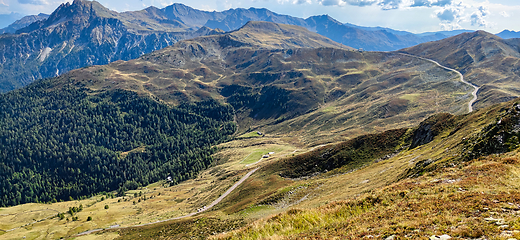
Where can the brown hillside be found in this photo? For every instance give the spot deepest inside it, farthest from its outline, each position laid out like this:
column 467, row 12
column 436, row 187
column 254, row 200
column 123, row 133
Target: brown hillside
column 285, row 79
column 486, row 60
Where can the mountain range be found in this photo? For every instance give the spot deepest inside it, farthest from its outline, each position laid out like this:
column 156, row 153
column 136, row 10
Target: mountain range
column 44, row 47
column 192, row 124
column 268, row 77
column 371, row 124
column 507, row 34
column 23, row 22
column 265, row 64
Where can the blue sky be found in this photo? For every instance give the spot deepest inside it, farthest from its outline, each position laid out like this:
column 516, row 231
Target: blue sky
column 409, row 15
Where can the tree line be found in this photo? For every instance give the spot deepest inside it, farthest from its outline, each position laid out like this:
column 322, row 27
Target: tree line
column 58, row 142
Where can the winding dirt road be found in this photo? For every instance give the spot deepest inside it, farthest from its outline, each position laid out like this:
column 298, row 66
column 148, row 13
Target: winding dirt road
column 218, row 200
column 475, row 88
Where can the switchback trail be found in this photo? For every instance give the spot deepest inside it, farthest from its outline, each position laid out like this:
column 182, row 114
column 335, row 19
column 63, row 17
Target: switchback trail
column 185, row 216
column 474, row 93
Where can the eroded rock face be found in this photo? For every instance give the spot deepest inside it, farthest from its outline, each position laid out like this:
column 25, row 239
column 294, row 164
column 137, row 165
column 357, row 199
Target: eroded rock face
column 430, row 128
column 499, row 137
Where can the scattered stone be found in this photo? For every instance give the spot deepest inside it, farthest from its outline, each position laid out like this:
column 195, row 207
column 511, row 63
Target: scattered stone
column 509, row 234
column 497, row 221
column 391, row 237
column 442, row 237
column 450, row 181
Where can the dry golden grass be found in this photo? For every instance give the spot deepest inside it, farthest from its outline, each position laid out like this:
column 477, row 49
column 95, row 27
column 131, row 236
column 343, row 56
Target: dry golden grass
column 470, row 200
column 38, row 221
column 372, row 201
column 367, row 201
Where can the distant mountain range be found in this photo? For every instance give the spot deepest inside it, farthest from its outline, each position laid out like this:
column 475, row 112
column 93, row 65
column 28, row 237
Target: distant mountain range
column 186, row 18
column 507, row 34
column 6, row 19
column 23, row 22
column 81, row 34
column 86, row 33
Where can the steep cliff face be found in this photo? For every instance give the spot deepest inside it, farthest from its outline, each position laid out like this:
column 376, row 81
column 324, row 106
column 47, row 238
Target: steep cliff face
column 76, row 35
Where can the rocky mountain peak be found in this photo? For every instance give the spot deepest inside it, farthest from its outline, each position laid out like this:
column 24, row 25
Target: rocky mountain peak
column 323, row 19
column 79, row 12
column 480, row 34
column 80, row 8
column 180, row 9
column 190, row 16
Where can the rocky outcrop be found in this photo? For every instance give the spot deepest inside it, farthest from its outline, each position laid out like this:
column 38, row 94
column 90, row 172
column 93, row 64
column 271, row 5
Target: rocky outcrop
column 430, row 128
column 500, row 137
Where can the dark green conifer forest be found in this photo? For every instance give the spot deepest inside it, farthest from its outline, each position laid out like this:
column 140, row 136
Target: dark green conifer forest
column 58, row 142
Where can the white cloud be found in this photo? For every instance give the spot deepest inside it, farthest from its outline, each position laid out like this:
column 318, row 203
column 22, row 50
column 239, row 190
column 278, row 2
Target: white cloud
column 302, row 1
column 207, row 8
column 430, row 3
column 448, row 15
column 331, row 2
column 504, row 14
column 477, row 18
column 391, row 4
column 361, row 3
column 165, row 3
column 448, row 26
column 224, row 4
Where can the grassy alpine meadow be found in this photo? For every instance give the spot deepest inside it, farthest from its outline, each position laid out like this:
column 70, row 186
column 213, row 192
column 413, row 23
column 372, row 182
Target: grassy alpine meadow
column 155, row 202
column 479, row 198
column 386, row 188
column 432, row 189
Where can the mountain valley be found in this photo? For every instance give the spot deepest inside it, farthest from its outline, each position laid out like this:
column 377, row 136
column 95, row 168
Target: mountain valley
column 309, row 90
column 216, row 125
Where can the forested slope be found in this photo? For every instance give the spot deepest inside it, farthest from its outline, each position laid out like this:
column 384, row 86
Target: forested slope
column 61, row 142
